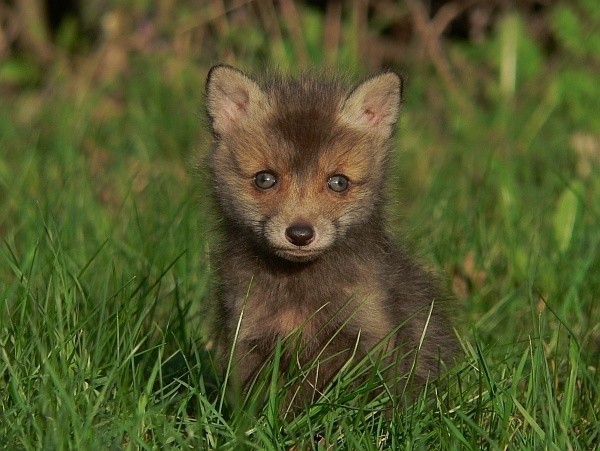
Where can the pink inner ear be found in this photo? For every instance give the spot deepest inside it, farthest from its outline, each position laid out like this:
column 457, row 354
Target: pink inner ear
column 235, row 103
column 240, row 100
column 370, row 116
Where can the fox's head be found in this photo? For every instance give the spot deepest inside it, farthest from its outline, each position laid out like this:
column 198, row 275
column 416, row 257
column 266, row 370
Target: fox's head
column 299, row 162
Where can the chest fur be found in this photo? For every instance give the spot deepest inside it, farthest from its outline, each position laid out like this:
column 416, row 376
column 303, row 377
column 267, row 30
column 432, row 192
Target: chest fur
column 274, row 308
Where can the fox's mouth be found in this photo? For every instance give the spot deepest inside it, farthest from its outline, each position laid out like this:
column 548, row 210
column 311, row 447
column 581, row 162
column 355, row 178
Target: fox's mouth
column 298, row 254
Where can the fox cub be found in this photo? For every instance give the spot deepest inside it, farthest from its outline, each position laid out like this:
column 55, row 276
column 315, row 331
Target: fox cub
column 299, row 169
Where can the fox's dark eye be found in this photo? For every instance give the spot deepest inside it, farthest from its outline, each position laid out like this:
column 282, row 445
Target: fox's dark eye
column 337, row 183
column 265, row 180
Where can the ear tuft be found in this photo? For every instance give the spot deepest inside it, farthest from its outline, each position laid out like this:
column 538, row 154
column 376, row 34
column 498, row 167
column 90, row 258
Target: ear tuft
column 231, row 98
column 374, row 104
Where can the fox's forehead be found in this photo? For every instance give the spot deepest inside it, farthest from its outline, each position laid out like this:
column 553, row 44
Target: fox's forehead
column 304, row 127
column 305, row 101
column 303, row 137
column 304, row 117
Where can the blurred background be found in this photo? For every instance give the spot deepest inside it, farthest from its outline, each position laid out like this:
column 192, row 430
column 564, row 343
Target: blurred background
column 498, row 91
column 101, row 115
column 482, row 51
column 105, row 230
column 510, row 64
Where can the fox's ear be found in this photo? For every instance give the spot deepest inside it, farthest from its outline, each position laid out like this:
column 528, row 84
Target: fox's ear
column 232, row 98
column 374, row 104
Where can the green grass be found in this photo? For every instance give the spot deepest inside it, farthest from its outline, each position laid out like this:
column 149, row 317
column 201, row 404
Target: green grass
column 105, row 275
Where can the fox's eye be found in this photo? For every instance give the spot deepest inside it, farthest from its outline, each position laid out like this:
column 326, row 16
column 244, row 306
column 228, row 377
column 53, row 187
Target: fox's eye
column 265, row 180
column 337, row 183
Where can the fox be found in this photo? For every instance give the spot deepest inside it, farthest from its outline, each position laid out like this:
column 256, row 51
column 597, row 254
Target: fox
column 299, row 168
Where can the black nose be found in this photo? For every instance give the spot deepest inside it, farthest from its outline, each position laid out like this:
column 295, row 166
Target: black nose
column 300, row 234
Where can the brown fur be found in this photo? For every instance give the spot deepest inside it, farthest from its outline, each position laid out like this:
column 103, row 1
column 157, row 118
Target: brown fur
column 351, row 286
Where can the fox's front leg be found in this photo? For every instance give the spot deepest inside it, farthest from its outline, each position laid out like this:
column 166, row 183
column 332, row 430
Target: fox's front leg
column 247, row 360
